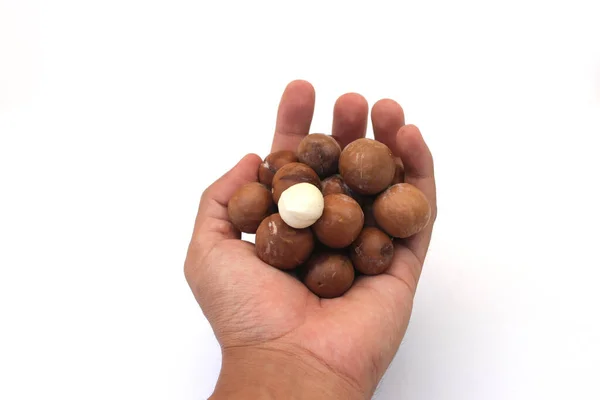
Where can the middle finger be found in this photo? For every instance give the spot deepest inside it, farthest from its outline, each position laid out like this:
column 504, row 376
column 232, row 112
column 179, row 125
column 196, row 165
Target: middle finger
column 350, row 115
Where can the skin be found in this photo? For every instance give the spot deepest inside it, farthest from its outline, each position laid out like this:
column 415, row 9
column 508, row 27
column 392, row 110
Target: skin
column 279, row 340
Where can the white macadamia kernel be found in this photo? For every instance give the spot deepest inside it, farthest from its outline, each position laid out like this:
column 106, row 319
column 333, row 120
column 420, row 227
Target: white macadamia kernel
column 301, row 205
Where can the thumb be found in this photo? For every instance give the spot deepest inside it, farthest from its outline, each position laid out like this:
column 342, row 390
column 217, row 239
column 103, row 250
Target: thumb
column 212, row 222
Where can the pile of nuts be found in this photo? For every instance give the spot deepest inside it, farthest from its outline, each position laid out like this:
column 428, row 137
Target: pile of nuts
column 329, row 213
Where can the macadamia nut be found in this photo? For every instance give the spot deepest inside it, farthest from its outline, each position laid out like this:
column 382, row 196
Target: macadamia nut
column 329, row 274
column 272, row 163
column 372, row 252
column 249, row 205
column 402, row 210
column 367, row 166
column 335, row 184
column 341, row 222
column 282, row 246
column 291, row 174
column 320, row 152
column 301, row 205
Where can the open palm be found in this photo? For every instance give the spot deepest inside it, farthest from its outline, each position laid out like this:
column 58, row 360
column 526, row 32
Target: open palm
column 252, row 305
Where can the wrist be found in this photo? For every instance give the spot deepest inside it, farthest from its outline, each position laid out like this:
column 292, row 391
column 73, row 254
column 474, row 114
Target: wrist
column 273, row 373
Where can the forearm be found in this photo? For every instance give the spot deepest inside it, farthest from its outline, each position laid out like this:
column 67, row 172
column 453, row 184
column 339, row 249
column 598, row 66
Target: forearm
column 265, row 374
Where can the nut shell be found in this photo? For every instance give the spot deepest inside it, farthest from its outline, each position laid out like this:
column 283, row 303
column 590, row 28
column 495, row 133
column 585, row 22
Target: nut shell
column 372, row 252
column 328, row 274
column 402, row 210
column 367, row 166
column 320, row 152
column 272, row 163
column 249, row 205
column 335, row 184
column 282, row 246
column 341, row 222
column 291, row 174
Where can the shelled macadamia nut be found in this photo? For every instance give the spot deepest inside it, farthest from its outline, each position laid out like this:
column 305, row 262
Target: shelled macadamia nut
column 372, row 252
column 301, row 205
column 341, row 222
column 272, row 163
column 320, row 152
column 367, row 166
column 291, row 174
column 335, row 184
column 282, row 246
column 329, row 274
column 402, row 210
column 249, row 205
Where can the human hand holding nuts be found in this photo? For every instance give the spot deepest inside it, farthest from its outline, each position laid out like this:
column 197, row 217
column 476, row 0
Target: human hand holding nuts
column 342, row 227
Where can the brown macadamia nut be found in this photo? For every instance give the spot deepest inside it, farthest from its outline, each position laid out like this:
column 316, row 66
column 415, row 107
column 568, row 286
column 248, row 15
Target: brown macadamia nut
column 335, row 184
column 320, row 152
column 399, row 175
column 328, row 274
column 249, row 205
column 367, row 166
column 282, row 246
column 341, row 222
column 402, row 210
column 291, row 174
column 272, row 163
column 372, row 252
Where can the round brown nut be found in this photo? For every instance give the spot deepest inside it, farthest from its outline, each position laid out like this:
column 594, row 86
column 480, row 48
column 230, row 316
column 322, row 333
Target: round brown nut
column 402, row 210
column 320, row 152
column 272, row 163
column 329, row 274
column 341, row 222
column 372, row 252
column 367, row 166
column 291, row 174
column 399, row 175
column 335, row 184
column 282, row 246
column 249, row 205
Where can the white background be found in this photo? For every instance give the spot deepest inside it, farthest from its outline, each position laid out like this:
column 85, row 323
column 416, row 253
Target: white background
column 116, row 114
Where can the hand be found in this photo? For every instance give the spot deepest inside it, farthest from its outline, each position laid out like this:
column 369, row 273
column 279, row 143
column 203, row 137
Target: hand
column 278, row 339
